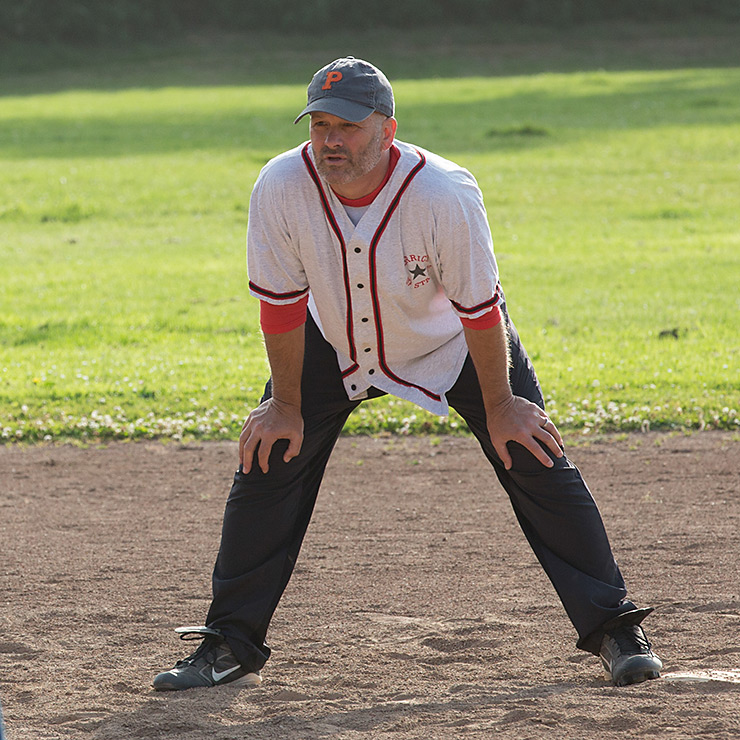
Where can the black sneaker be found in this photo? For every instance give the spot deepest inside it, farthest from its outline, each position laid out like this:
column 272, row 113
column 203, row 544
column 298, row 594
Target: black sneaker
column 212, row 664
column 627, row 656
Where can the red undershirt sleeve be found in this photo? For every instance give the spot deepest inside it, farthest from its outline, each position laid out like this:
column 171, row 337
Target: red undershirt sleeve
column 278, row 319
column 486, row 321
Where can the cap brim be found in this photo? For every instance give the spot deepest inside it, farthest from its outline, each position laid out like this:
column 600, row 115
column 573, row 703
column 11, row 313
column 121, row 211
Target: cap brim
column 340, row 107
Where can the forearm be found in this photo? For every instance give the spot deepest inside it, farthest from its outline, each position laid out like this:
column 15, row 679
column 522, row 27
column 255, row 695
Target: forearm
column 509, row 418
column 489, row 350
column 285, row 354
column 279, row 417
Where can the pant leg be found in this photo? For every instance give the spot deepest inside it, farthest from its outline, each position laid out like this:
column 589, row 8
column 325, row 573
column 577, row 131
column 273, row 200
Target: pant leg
column 267, row 515
column 554, row 508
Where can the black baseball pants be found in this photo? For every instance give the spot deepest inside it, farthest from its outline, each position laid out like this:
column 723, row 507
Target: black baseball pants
column 267, row 515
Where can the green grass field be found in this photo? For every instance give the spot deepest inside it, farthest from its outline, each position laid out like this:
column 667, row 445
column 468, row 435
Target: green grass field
column 609, row 160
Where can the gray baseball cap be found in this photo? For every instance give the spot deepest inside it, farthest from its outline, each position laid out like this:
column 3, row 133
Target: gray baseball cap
column 351, row 89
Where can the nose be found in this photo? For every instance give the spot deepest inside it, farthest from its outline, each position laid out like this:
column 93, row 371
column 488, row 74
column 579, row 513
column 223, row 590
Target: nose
column 334, row 138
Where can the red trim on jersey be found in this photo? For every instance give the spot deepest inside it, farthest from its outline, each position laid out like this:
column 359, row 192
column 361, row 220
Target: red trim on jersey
column 495, row 301
column 283, row 317
column 279, row 296
column 366, row 200
column 373, row 276
column 374, row 281
column 492, row 318
column 338, row 232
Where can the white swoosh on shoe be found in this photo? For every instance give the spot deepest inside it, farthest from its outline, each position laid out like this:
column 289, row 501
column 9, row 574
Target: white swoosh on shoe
column 218, row 675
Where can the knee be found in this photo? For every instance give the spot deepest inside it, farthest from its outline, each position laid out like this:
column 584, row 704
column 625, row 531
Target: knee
column 525, row 463
column 279, row 474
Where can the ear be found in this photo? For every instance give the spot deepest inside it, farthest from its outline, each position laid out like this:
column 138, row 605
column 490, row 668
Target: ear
column 389, row 132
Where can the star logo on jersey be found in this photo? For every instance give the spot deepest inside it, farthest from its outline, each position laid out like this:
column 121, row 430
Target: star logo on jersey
column 416, row 266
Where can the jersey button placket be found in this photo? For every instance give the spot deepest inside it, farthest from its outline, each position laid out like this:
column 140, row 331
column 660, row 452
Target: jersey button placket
column 368, row 354
column 359, row 280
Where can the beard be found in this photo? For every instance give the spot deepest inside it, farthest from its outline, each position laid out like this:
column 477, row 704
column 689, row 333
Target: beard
column 352, row 167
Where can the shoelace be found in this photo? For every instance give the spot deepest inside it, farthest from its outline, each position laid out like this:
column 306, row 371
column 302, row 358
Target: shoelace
column 631, row 640
column 208, row 644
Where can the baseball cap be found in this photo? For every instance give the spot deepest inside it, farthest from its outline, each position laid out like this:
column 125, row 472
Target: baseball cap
column 351, row 89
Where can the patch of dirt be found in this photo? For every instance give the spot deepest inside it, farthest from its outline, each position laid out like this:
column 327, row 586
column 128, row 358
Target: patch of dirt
column 416, row 611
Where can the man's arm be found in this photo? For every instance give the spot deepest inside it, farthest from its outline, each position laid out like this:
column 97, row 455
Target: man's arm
column 508, row 417
column 280, row 416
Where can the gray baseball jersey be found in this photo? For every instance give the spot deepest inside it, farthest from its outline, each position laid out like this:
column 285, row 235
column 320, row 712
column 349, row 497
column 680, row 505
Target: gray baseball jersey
column 388, row 293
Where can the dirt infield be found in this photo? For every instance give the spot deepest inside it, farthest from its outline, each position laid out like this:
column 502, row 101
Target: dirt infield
column 416, row 610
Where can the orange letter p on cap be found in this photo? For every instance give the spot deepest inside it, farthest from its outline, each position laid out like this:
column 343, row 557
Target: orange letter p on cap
column 331, row 78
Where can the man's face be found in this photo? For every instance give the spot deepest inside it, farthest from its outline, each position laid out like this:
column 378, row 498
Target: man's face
column 345, row 151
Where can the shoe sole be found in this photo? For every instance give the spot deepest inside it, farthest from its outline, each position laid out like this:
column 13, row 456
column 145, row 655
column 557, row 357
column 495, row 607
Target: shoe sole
column 633, row 678
column 250, row 681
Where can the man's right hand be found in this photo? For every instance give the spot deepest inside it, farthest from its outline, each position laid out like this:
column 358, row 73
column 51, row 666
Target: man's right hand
column 270, row 421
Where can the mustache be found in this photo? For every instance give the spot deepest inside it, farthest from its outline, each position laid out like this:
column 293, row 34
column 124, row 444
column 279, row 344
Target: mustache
column 329, row 151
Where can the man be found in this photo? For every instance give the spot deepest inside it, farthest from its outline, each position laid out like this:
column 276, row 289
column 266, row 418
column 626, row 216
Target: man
column 374, row 266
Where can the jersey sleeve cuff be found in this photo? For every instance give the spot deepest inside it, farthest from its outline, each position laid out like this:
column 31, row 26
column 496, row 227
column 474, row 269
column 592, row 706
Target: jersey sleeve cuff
column 492, row 318
column 282, row 318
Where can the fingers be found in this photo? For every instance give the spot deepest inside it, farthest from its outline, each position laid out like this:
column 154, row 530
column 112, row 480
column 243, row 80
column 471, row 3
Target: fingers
column 294, row 449
column 555, row 432
column 247, row 446
column 537, row 450
column 242, row 441
column 263, row 456
column 546, row 433
column 530, row 427
column 249, row 440
column 265, row 449
column 265, row 426
column 251, row 445
column 530, row 444
column 550, row 436
column 544, row 422
column 503, row 453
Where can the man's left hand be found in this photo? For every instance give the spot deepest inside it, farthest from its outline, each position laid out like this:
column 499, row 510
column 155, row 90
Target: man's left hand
column 518, row 420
